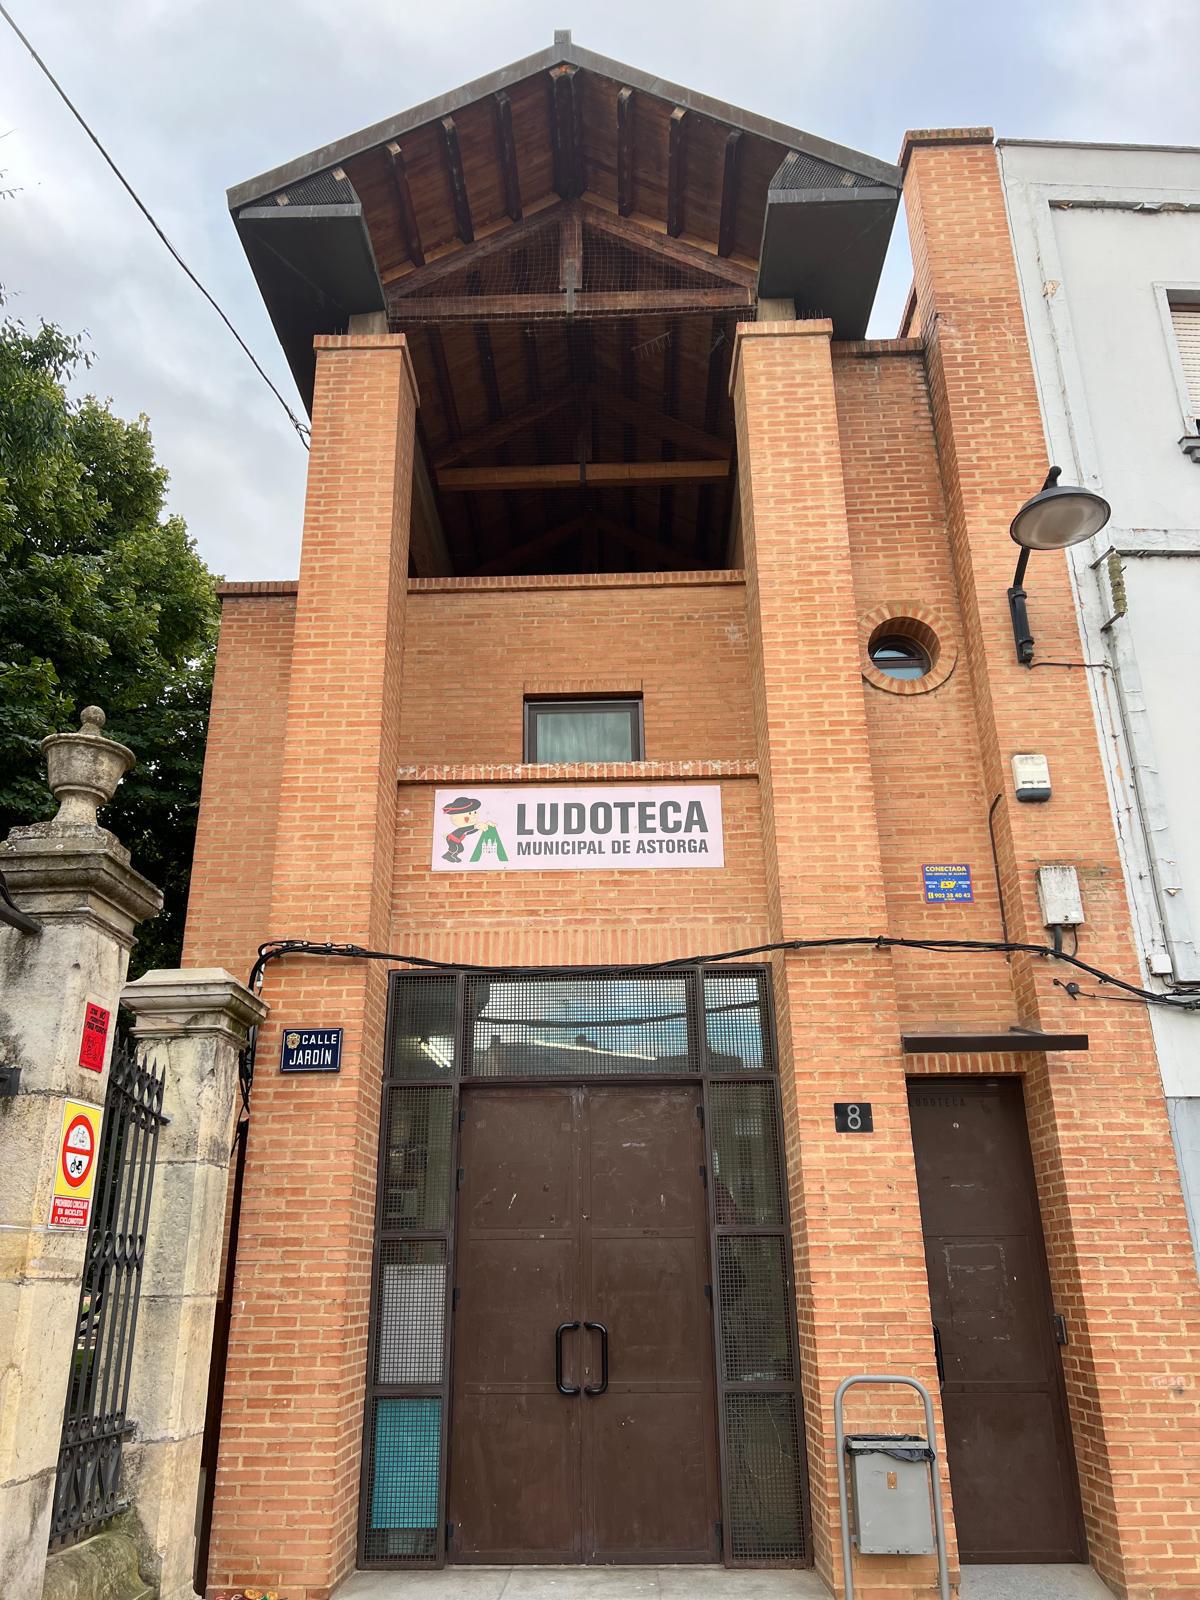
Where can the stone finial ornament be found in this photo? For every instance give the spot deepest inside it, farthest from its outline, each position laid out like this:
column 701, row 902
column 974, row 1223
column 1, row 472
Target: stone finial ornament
column 84, row 770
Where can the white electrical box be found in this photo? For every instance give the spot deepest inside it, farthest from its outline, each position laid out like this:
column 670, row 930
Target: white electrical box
column 1031, row 776
column 1059, row 897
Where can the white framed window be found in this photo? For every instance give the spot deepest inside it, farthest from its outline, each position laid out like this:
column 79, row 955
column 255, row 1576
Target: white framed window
column 1179, row 307
column 1185, row 323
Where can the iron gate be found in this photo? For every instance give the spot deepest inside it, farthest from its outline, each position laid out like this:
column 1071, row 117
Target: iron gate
column 88, row 1488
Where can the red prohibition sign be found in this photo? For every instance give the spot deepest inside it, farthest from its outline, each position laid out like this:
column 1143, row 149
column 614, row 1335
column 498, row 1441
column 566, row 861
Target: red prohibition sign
column 78, row 1151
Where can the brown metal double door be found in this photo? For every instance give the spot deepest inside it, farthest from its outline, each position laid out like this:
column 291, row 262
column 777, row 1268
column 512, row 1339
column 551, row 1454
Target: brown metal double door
column 1012, row 1469
column 582, row 1204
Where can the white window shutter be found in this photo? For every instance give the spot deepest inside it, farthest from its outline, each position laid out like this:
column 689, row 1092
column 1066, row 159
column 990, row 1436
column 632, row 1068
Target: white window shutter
column 1185, row 319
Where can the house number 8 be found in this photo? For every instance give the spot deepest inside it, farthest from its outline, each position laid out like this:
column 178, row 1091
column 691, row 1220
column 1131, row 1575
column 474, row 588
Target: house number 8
column 853, row 1116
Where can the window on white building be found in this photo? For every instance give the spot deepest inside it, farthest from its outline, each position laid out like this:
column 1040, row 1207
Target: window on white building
column 1185, row 321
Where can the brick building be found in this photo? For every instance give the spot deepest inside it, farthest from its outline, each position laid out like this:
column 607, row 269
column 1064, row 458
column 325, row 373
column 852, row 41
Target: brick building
column 647, row 612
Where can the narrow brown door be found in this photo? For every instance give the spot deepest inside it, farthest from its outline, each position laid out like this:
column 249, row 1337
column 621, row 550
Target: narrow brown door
column 650, row 1458
column 583, row 1204
column 1012, row 1469
column 514, row 1456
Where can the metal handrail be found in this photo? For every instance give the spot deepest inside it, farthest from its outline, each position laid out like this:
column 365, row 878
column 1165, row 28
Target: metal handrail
column 839, row 1435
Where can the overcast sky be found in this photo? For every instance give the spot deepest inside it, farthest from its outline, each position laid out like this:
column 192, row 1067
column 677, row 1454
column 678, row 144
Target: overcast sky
column 192, row 96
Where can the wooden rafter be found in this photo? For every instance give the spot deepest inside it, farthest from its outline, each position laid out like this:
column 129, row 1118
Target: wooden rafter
column 441, row 373
column 509, row 237
column 645, row 237
column 487, row 371
column 676, row 170
column 497, row 433
column 730, row 185
column 661, row 426
column 430, row 552
column 641, row 543
column 565, row 129
column 570, row 256
column 458, row 181
column 408, row 309
column 625, row 151
column 507, row 146
column 549, row 539
column 583, row 475
column 409, row 230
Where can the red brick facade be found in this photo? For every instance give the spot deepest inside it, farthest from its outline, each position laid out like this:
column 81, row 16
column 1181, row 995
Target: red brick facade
column 877, row 481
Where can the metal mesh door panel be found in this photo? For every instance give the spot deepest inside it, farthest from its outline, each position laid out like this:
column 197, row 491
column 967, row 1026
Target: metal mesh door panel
column 416, row 1157
column 765, row 1524
column 736, row 1029
column 756, row 1320
column 403, row 1479
column 746, row 1154
column 626, row 1024
column 410, row 1310
column 421, row 1028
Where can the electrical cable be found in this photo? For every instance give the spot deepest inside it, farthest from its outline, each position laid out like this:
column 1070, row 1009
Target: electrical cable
column 276, row 949
column 1097, row 666
column 301, row 428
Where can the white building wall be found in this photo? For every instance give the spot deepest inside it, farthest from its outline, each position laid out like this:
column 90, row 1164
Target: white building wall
column 1103, row 235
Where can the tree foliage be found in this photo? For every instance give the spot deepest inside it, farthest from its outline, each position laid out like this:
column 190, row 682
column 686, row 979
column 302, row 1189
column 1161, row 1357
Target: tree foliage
column 103, row 601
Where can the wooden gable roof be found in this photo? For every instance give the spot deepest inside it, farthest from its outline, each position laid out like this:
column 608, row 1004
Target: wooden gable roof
column 569, row 244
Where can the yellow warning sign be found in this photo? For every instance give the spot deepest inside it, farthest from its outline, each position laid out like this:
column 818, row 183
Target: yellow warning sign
column 75, row 1173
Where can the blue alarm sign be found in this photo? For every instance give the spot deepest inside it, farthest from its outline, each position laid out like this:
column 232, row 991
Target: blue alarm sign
column 946, row 883
column 311, row 1050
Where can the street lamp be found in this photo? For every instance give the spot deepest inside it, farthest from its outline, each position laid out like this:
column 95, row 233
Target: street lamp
column 1053, row 519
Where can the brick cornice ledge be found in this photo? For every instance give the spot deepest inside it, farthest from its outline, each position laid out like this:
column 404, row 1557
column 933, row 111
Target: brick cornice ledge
column 572, row 771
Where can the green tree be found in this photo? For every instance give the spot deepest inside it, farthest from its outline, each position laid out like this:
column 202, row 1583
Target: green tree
column 103, row 601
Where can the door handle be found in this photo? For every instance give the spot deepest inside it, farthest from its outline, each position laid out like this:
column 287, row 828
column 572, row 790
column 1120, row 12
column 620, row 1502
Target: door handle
column 563, row 1388
column 937, row 1355
column 599, row 1388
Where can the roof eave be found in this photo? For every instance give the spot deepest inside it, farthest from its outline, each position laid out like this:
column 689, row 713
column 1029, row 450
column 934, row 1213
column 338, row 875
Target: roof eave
column 557, row 54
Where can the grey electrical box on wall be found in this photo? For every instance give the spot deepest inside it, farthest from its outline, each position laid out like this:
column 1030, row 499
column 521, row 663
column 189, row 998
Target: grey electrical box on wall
column 1059, row 897
column 1031, row 777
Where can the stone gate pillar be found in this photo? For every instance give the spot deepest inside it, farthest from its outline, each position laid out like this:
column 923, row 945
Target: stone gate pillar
column 192, row 1023
column 75, row 879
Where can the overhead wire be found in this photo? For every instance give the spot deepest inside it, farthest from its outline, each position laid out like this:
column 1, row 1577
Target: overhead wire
column 301, row 428
column 276, row 949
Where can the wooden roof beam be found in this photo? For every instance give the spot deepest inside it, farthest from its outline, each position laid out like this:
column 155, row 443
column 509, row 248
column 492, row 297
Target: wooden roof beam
column 507, row 237
column 452, row 156
column 537, row 546
column 441, row 372
column 625, row 151
column 644, row 237
column 409, row 231
column 507, row 144
column 660, row 426
column 730, row 186
column 622, row 302
column 640, row 543
column 570, row 256
column 583, row 475
column 676, row 170
column 430, row 551
column 566, row 130
column 498, row 433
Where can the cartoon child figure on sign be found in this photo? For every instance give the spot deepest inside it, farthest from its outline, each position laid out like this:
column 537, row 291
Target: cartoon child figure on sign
column 465, row 812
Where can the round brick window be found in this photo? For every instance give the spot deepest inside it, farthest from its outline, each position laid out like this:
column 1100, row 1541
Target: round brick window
column 907, row 648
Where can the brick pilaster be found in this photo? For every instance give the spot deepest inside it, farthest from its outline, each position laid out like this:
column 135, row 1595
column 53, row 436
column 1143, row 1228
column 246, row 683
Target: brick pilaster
column 1116, row 1234
column 862, row 1298
column 297, row 1357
